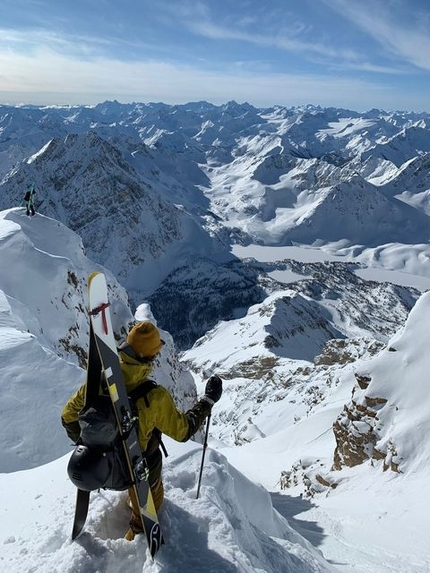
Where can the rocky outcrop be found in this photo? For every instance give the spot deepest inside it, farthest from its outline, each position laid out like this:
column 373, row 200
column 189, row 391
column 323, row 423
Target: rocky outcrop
column 307, row 473
column 357, row 431
column 345, row 351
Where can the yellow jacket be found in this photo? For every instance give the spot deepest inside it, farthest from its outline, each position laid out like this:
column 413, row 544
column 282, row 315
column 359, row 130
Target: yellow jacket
column 161, row 413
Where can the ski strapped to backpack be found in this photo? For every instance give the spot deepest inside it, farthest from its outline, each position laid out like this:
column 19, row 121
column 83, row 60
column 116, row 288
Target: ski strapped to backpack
column 104, row 360
column 99, row 460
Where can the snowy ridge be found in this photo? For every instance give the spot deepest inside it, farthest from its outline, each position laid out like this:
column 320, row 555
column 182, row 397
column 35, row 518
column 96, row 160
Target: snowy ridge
column 232, row 527
column 44, row 336
column 50, row 258
column 44, row 332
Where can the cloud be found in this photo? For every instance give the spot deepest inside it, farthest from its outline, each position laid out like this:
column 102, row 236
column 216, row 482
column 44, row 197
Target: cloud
column 48, row 77
column 401, row 29
column 270, row 35
column 280, row 41
column 280, row 30
column 31, row 42
column 47, row 67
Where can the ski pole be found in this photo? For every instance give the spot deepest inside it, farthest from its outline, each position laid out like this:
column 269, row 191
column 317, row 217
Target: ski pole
column 205, row 445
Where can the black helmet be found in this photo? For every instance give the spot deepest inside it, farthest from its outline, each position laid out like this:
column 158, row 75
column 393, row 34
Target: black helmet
column 88, row 469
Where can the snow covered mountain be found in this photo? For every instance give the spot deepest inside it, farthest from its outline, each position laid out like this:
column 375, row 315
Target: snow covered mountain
column 125, row 225
column 208, row 173
column 286, row 249
column 44, row 335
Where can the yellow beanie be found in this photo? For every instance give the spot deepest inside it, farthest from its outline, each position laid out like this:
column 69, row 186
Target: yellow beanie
column 145, row 339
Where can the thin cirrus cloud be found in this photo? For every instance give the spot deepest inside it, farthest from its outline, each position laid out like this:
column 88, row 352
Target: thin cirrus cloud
column 279, row 41
column 301, row 34
column 343, row 55
column 402, row 29
column 35, row 41
column 279, row 30
column 67, row 80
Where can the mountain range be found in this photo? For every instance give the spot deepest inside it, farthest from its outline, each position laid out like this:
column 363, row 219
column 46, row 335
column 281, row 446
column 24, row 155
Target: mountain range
column 152, row 188
column 285, row 249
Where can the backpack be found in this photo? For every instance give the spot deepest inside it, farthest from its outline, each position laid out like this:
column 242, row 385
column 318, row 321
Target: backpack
column 99, row 460
column 27, row 196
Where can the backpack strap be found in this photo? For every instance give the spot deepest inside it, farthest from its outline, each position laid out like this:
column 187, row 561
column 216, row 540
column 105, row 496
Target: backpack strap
column 142, row 391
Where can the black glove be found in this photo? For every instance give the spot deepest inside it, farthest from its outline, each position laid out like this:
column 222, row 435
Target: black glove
column 213, row 389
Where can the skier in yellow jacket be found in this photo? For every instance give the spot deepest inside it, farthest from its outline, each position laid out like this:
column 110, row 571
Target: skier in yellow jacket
column 157, row 411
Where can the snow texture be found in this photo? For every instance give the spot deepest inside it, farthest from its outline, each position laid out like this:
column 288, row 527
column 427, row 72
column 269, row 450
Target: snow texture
column 285, row 249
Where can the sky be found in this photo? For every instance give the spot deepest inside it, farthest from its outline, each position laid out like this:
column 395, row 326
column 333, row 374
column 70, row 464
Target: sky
column 357, row 54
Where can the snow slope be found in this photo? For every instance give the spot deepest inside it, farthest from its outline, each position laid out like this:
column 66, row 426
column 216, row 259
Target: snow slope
column 44, row 335
column 365, row 518
column 372, row 521
column 231, row 527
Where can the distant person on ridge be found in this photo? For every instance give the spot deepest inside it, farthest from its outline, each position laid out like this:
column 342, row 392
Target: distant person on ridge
column 29, row 199
column 156, row 410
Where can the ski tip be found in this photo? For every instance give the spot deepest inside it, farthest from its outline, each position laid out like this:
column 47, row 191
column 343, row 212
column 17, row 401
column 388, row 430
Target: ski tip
column 92, row 275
